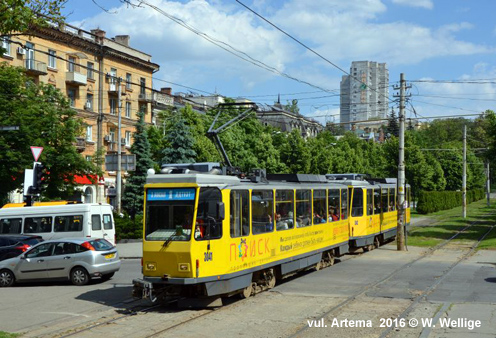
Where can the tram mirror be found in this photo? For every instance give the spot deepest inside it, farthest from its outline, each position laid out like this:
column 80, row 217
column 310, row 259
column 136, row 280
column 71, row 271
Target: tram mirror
column 221, row 211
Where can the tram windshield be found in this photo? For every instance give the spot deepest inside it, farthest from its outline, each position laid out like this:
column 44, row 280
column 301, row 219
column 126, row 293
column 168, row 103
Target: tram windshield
column 169, row 214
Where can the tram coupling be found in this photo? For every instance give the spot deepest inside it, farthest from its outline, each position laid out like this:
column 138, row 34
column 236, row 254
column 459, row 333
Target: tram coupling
column 143, row 290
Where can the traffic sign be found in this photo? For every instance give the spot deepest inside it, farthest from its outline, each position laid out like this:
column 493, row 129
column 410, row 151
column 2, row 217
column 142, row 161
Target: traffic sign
column 36, row 152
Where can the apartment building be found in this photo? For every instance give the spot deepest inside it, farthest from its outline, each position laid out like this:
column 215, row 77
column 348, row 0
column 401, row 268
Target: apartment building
column 89, row 68
column 364, row 93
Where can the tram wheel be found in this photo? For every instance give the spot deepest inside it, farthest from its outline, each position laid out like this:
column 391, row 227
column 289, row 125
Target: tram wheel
column 272, row 282
column 247, row 291
column 318, row 266
column 377, row 243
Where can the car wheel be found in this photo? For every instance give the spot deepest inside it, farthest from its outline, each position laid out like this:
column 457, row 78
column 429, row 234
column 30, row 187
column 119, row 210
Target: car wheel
column 7, row 278
column 107, row 276
column 79, row 276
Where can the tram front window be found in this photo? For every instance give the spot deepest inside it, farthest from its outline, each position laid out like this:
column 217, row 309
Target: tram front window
column 169, row 214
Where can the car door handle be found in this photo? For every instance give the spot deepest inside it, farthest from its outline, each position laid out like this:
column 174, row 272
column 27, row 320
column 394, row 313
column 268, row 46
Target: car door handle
column 67, row 257
column 40, row 260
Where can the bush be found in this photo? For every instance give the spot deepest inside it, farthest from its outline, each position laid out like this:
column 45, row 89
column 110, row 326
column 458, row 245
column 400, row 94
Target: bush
column 126, row 228
column 432, row 201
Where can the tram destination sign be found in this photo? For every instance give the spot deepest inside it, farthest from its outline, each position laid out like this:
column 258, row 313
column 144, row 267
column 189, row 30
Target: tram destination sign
column 170, row 194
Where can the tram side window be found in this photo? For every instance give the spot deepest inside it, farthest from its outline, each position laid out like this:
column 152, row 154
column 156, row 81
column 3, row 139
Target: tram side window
column 377, row 201
column 392, row 200
column 319, row 206
column 284, row 209
column 37, row 224
column 333, row 201
column 68, row 223
column 370, row 202
column 384, row 200
column 239, row 213
column 10, row 226
column 208, row 222
column 344, row 204
column 357, row 203
column 303, row 208
column 262, row 206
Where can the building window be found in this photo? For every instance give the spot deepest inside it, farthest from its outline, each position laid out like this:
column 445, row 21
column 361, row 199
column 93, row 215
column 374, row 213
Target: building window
column 142, row 85
column 52, row 63
column 89, row 158
column 128, row 138
column 142, row 108
column 113, row 106
column 89, row 133
column 128, row 109
column 128, row 81
column 89, row 102
column 112, row 139
column 71, row 65
column 6, row 46
column 90, row 69
column 71, row 94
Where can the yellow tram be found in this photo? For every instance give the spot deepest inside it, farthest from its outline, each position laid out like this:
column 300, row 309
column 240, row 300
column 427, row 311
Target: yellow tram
column 207, row 234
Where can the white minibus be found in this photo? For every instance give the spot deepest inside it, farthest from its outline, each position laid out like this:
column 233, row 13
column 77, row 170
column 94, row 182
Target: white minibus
column 60, row 221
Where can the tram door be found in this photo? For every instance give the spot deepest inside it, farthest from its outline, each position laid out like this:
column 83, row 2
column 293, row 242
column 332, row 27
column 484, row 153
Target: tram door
column 357, row 221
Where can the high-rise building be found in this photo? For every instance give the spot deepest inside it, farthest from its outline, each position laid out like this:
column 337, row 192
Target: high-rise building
column 364, row 93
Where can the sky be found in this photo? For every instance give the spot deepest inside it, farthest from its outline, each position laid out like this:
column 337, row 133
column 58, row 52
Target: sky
column 445, row 48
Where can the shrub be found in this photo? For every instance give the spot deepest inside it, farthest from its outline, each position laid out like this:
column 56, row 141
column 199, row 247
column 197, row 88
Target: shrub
column 126, row 228
column 432, row 201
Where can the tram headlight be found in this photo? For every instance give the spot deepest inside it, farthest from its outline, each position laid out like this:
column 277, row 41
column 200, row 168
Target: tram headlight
column 151, row 266
column 184, row 267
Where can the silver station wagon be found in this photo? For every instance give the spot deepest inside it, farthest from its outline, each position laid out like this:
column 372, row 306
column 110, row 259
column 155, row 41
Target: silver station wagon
column 77, row 260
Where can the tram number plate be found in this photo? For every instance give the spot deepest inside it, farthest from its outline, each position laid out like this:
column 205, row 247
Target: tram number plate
column 207, row 256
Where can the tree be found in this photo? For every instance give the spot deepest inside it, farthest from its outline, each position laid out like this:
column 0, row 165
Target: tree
column 132, row 199
column 296, row 154
column 393, row 128
column 180, row 142
column 45, row 119
column 18, row 16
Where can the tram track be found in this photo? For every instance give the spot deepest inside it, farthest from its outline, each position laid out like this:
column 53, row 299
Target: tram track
column 301, row 329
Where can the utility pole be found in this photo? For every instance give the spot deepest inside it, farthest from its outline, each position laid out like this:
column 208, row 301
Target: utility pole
column 488, row 184
column 119, row 150
column 400, row 229
column 464, row 179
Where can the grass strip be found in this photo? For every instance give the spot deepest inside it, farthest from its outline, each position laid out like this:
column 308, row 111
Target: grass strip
column 448, row 222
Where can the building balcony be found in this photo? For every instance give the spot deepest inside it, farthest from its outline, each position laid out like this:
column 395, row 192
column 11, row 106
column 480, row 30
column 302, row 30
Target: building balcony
column 75, row 78
column 144, row 97
column 80, row 144
column 34, row 67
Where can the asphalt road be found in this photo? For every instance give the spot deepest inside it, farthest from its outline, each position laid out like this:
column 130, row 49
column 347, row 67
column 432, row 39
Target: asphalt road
column 25, row 307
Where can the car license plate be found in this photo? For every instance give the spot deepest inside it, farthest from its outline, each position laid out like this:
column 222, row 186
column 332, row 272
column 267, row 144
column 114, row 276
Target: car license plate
column 110, row 256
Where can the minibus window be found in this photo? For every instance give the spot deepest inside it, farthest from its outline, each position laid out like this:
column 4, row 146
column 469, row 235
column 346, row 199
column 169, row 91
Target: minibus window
column 10, row 226
column 68, row 223
column 107, row 222
column 96, row 222
column 37, row 224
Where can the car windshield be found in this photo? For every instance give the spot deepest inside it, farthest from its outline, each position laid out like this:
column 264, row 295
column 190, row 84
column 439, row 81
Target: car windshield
column 169, row 214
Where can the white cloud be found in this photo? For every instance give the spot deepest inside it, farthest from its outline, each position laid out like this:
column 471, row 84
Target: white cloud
column 415, row 3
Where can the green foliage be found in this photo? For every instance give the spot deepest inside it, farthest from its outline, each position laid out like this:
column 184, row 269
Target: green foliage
column 179, row 142
column 432, row 201
column 45, row 119
column 132, row 199
column 127, row 227
column 20, row 15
